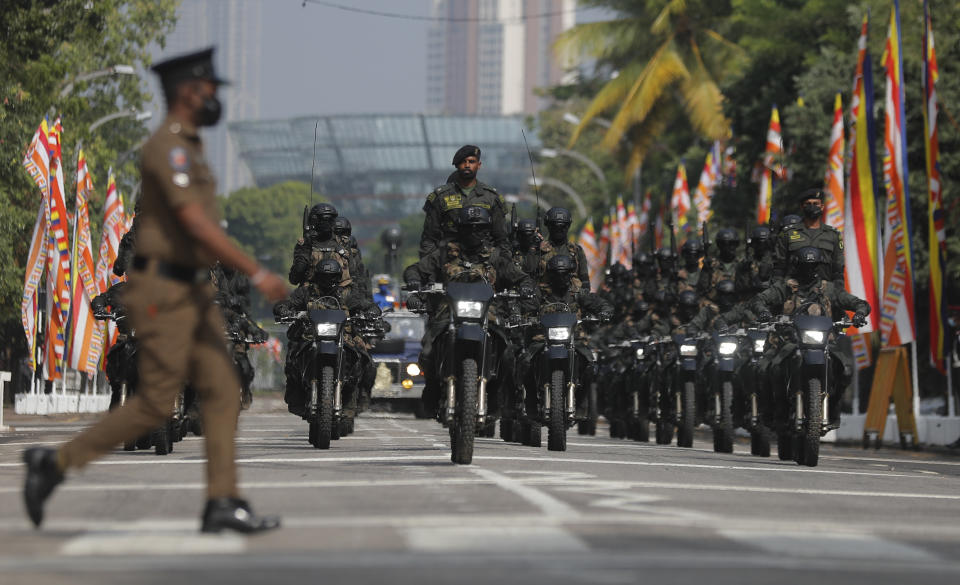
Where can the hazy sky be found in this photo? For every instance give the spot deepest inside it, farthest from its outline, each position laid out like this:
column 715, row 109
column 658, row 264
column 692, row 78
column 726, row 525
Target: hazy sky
column 321, row 60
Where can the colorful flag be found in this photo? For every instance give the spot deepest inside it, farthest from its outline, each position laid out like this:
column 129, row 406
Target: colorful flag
column 623, row 233
column 659, row 228
column 897, row 323
column 603, row 245
column 86, row 333
column 643, row 222
column 633, row 230
column 861, row 351
column 588, row 241
column 833, row 182
column 935, row 218
column 58, row 263
column 729, row 166
column 680, row 200
column 114, row 225
column 37, row 163
column 615, row 240
column 772, row 167
column 861, row 233
column 709, row 178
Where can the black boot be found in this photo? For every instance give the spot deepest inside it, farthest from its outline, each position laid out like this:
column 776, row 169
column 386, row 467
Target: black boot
column 43, row 475
column 235, row 514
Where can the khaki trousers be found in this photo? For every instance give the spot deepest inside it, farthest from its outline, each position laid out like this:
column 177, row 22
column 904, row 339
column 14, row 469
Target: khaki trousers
column 180, row 333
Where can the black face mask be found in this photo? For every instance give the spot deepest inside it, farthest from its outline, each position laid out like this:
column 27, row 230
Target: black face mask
column 812, row 211
column 691, row 262
column 210, row 112
column 560, row 282
column 526, row 241
column 465, row 174
column 558, row 233
column 324, row 230
column 728, row 253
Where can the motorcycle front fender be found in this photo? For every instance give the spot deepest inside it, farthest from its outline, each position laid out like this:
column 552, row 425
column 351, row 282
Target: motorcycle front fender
column 557, row 352
column 726, row 364
column 688, row 364
column 814, row 357
column 471, row 332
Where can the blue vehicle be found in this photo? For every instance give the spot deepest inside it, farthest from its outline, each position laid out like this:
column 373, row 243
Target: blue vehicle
column 399, row 378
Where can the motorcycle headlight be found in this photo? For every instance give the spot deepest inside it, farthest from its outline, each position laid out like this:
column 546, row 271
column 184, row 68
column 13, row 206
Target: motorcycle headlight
column 728, row 348
column 811, row 337
column 413, row 370
column 469, row 309
column 640, row 353
column 558, row 333
column 327, row 329
column 688, row 350
column 759, row 344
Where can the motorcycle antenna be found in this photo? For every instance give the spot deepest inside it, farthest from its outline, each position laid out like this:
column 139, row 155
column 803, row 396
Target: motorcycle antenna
column 537, row 192
column 535, row 189
column 313, row 164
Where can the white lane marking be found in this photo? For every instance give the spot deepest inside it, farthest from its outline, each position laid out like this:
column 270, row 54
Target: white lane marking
column 404, row 428
column 487, row 539
column 837, row 546
column 785, row 468
column 548, row 505
column 54, row 428
column 253, row 485
column 129, row 543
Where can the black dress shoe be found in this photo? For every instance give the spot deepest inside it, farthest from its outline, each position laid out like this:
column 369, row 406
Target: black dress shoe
column 42, row 476
column 235, row 514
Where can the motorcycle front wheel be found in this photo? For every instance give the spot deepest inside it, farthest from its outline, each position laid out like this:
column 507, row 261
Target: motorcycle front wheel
column 324, row 415
column 557, row 431
column 723, row 433
column 809, row 441
column 464, row 427
column 687, row 414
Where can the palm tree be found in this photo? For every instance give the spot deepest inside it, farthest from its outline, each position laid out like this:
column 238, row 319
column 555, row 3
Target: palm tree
column 663, row 73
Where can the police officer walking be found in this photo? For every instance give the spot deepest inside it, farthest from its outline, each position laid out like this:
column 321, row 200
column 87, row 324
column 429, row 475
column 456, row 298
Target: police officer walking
column 170, row 303
column 443, row 205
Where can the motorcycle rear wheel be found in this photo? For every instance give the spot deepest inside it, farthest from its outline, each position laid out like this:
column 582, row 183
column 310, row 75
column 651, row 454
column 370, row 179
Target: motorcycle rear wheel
column 664, row 432
column 163, row 439
column 557, row 431
column 784, row 446
column 464, row 427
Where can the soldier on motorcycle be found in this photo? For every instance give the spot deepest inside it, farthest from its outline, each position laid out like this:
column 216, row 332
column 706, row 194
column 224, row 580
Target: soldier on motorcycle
column 120, row 366
column 323, row 291
column 723, row 265
column 233, row 296
column 558, row 222
column 321, row 242
column 469, row 257
column 805, row 292
column 755, row 272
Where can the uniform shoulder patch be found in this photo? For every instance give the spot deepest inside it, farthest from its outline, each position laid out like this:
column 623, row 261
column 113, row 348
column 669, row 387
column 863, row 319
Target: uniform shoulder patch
column 179, row 159
column 432, row 196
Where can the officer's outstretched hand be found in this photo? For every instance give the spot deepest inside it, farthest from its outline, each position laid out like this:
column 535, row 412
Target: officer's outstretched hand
column 765, row 316
column 271, row 286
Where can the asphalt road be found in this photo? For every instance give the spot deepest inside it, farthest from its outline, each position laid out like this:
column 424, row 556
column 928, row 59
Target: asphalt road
column 385, row 505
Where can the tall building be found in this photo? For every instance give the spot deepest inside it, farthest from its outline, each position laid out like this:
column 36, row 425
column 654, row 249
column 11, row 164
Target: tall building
column 233, row 27
column 488, row 56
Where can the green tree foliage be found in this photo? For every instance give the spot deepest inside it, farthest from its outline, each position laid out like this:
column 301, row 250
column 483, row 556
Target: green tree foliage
column 670, row 57
column 43, row 45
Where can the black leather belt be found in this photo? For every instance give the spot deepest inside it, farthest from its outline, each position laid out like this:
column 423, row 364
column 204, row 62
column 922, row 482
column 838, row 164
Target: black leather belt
column 172, row 271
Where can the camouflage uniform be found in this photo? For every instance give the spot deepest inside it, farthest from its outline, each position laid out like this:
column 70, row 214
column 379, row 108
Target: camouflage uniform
column 443, row 206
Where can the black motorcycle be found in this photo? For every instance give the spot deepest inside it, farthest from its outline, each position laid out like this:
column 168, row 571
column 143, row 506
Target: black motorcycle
column 629, row 365
column 330, row 370
column 810, row 371
column 557, row 372
column 724, row 368
column 468, row 352
column 754, row 404
column 678, row 375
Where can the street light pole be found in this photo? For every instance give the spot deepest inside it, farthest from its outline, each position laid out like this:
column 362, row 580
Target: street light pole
column 114, row 70
column 140, row 117
column 555, row 152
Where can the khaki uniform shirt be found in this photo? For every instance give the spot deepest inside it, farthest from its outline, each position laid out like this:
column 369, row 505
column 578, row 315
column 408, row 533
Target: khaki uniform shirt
column 175, row 173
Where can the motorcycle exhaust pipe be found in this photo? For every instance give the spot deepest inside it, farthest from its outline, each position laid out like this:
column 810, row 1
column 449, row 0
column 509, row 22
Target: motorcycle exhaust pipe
column 338, row 398
column 482, row 406
column 451, row 396
column 799, row 410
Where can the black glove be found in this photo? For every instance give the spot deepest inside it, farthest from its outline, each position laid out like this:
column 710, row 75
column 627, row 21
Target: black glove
column 721, row 326
column 859, row 319
column 413, row 285
column 414, row 303
column 764, row 316
column 526, row 292
column 606, row 316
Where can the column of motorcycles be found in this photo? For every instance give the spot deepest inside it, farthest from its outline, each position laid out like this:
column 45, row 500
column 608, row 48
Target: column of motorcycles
column 678, row 382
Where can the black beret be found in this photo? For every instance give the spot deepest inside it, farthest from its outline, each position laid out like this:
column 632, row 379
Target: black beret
column 197, row 65
column 814, row 193
column 464, row 152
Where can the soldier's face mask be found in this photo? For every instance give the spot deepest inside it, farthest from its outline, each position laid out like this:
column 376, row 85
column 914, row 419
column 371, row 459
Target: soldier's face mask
column 471, row 237
column 558, row 232
column 726, row 301
column 526, row 239
column 805, row 273
column 560, row 280
column 728, row 252
column 685, row 314
column 667, row 265
column 324, row 227
column 812, row 210
column 691, row 260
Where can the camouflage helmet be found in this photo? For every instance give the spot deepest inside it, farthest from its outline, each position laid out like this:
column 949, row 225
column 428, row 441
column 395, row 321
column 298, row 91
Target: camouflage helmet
column 327, row 272
column 558, row 216
column 561, row 264
column 342, row 227
column 322, row 212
